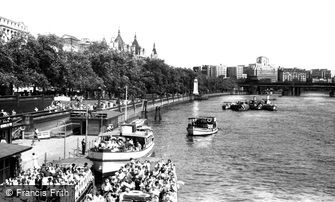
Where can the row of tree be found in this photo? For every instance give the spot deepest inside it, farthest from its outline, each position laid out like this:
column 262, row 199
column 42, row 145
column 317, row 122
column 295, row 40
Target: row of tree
column 41, row 62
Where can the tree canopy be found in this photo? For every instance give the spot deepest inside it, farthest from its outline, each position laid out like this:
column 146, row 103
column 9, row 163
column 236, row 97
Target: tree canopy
column 41, row 62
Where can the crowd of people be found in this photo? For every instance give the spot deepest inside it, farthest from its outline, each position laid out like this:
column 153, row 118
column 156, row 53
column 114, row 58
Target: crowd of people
column 159, row 182
column 50, row 174
column 118, row 144
column 5, row 116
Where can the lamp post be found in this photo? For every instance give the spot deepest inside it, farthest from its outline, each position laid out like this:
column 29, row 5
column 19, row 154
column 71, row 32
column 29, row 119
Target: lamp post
column 125, row 112
column 99, row 96
column 126, row 81
column 86, row 128
column 64, row 140
column 64, row 130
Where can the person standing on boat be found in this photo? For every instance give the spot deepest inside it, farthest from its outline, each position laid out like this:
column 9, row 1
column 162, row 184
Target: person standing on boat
column 83, row 147
column 36, row 133
column 35, row 163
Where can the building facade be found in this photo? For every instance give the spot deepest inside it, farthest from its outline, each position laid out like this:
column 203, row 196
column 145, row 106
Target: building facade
column 118, row 44
column 232, row 72
column 206, row 70
column 321, row 75
column 222, row 70
column 70, row 43
column 261, row 70
column 10, row 29
column 292, row 74
column 197, row 69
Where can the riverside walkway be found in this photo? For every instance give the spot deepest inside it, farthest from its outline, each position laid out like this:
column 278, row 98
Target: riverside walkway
column 53, row 149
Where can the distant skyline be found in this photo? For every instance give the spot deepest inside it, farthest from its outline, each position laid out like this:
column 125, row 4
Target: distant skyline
column 296, row 33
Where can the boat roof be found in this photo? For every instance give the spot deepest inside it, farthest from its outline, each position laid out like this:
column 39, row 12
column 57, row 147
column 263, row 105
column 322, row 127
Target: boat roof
column 118, row 134
column 136, row 134
column 62, row 98
column 144, row 127
column 202, row 117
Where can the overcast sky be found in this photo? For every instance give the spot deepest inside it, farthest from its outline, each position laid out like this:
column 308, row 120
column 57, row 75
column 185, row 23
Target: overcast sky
column 291, row 33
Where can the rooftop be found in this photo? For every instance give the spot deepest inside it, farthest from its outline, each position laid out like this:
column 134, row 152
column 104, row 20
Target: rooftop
column 11, row 149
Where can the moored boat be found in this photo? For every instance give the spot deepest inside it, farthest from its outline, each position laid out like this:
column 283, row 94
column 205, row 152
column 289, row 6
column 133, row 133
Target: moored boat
column 201, row 126
column 240, row 106
column 270, row 107
column 226, row 105
column 200, row 97
column 117, row 148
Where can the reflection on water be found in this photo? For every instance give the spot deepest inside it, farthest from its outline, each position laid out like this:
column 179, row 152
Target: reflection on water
column 196, row 109
column 288, row 155
column 314, row 94
column 199, row 142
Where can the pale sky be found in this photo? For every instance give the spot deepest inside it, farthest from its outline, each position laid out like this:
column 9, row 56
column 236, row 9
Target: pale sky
column 291, row 33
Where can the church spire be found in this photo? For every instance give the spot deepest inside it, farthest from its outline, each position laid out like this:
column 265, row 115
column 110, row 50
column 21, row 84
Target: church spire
column 154, row 52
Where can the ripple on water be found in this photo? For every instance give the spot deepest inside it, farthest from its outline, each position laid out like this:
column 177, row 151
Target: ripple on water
column 288, row 155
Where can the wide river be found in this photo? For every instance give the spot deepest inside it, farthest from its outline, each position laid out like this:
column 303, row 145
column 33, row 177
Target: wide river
column 288, row 155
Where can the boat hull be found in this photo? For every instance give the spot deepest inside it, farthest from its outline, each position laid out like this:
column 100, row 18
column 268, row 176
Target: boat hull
column 269, row 107
column 240, row 107
column 109, row 162
column 201, row 131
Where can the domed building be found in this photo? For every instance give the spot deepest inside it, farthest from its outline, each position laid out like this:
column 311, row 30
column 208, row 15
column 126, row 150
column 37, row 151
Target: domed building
column 262, row 70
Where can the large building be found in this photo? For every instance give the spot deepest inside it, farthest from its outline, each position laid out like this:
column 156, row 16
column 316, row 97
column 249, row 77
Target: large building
column 262, row 70
column 321, row 75
column 206, row 70
column 221, row 70
column 212, row 71
column 119, row 45
column 197, row 69
column 70, row 43
column 232, row 72
column 292, row 74
column 10, row 29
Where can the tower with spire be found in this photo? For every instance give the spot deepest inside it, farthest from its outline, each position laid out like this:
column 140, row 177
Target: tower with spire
column 154, row 53
column 118, row 43
column 135, row 47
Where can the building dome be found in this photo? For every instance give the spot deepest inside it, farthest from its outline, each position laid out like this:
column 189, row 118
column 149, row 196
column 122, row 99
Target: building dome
column 263, row 60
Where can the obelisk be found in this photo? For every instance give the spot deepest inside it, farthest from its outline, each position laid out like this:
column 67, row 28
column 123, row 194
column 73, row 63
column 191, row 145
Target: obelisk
column 195, row 87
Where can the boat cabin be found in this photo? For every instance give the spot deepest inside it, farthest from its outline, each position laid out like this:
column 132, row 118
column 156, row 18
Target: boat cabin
column 202, row 122
column 128, row 139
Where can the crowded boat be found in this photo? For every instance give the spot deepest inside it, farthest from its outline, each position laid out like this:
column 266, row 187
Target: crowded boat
column 139, row 181
column 254, row 104
column 49, row 175
column 114, row 149
column 240, row 106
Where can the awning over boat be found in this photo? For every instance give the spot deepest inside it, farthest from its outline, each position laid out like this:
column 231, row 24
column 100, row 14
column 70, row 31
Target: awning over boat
column 7, row 150
column 62, row 98
column 77, row 161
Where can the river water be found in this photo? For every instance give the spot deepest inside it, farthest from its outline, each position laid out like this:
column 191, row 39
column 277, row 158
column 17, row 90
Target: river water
column 288, row 155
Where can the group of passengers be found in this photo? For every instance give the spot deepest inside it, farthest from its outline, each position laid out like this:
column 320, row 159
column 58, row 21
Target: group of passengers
column 6, row 116
column 116, row 144
column 60, row 106
column 159, row 182
column 49, row 174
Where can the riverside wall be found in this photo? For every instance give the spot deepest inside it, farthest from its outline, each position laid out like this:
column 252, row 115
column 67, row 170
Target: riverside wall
column 162, row 103
column 45, row 123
